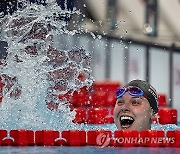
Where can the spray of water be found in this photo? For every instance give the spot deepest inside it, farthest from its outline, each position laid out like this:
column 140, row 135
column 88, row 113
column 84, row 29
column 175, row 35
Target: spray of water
column 35, row 73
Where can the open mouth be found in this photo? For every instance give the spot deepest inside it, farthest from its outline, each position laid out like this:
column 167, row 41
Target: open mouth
column 126, row 121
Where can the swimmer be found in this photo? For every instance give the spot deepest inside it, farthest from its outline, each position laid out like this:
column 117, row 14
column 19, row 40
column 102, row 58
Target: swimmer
column 136, row 106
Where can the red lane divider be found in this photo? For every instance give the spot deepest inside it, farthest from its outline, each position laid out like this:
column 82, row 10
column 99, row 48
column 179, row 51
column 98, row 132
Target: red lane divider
column 101, row 94
column 175, row 135
column 99, row 99
column 81, row 116
column 109, row 120
column 74, row 137
column 162, row 100
column 80, row 98
column 103, row 99
column 7, row 141
column 156, row 142
column 126, row 138
column 46, row 137
column 105, row 115
column 97, row 115
column 111, row 99
column 22, row 137
column 93, row 116
column 167, row 115
column 152, row 138
column 3, row 134
column 101, row 138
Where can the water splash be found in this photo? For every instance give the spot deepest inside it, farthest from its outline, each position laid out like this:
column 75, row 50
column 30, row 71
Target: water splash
column 35, row 73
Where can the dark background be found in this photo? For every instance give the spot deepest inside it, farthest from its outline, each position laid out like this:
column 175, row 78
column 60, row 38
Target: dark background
column 12, row 5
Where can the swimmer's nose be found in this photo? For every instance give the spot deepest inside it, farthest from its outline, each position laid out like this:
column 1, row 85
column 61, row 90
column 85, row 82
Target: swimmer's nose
column 125, row 108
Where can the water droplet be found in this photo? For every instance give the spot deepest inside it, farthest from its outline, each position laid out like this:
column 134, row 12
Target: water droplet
column 99, row 36
column 2, row 14
column 39, row 71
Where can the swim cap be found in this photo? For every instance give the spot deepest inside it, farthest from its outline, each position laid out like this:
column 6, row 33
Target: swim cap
column 148, row 90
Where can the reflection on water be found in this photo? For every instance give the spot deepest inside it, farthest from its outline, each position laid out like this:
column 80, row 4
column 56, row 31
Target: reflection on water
column 36, row 74
column 90, row 149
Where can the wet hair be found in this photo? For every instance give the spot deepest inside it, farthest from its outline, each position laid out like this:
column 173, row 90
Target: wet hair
column 149, row 91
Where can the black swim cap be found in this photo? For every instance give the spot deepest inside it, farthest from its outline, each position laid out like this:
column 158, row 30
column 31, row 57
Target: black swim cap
column 148, row 90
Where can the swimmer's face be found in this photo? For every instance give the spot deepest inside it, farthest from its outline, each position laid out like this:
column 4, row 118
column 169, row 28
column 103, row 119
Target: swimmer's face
column 133, row 113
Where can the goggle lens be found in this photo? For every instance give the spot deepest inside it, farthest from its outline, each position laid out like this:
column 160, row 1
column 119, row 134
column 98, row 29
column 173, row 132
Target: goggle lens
column 133, row 91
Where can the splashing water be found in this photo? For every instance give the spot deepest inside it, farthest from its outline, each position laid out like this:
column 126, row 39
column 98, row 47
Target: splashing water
column 35, row 73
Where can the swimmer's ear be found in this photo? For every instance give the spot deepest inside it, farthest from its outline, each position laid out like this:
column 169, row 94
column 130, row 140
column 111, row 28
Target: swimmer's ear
column 152, row 114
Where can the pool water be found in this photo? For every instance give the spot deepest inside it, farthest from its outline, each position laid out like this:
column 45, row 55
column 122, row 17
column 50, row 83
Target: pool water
column 112, row 127
column 94, row 149
column 87, row 149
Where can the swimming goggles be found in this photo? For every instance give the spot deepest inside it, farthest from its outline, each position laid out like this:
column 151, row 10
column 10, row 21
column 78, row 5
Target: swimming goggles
column 133, row 91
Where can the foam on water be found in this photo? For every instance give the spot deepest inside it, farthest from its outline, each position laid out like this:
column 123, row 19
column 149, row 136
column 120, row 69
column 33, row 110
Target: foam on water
column 35, row 72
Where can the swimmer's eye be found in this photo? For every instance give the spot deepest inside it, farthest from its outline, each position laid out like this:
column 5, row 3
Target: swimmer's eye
column 135, row 102
column 119, row 102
